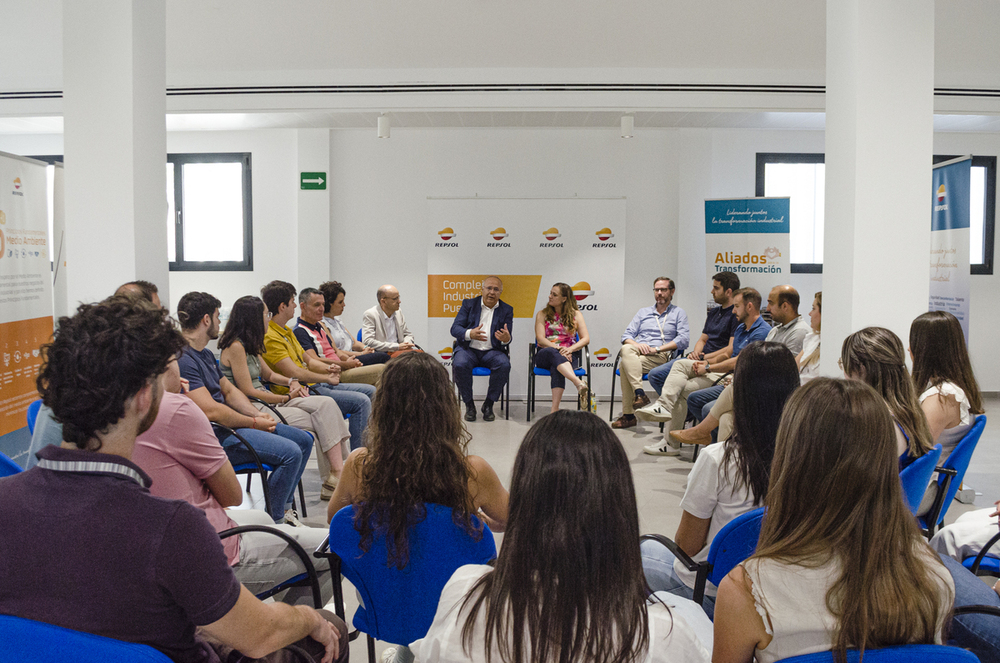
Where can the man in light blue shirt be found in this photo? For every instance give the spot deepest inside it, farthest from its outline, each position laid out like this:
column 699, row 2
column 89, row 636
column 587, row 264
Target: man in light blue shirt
column 655, row 334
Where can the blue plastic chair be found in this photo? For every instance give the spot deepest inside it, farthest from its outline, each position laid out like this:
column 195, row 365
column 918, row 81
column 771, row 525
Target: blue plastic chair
column 398, row 606
column 917, row 476
column 8, row 467
column 951, row 474
column 33, row 414
column 732, row 545
column 900, row 654
column 534, row 371
column 27, row 640
column 482, row 371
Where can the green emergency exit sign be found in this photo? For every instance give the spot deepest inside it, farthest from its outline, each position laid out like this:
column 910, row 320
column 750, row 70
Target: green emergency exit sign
column 312, row 181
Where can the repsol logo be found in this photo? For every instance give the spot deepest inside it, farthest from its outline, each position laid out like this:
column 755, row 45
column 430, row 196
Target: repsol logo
column 602, row 364
column 550, row 245
column 940, row 208
column 501, row 245
column 587, row 307
column 604, row 245
column 445, row 243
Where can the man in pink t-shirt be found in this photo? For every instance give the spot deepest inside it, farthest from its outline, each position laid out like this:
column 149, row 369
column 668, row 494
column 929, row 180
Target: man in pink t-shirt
column 184, row 459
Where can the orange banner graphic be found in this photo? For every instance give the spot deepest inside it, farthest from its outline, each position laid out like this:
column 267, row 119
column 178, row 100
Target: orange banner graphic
column 20, row 361
column 445, row 292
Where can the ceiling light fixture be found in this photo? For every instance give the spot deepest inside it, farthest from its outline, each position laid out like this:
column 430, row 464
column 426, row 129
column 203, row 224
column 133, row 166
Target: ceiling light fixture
column 383, row 126
column 628, row 123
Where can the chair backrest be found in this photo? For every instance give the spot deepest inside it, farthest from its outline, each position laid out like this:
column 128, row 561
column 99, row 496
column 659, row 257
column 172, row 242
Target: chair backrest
column 399, row 605
column 33, row 414
column 359, row 336
column 899, row 654
column 917, row 475
column 27, row 640
column 7, row 466
column 733, row 544
column 959, row 461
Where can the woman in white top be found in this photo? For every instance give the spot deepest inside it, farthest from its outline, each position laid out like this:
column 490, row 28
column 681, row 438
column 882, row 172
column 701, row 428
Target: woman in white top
column 942, row 372
column 347, row 345
column 729, row 478
column 568, row 582
column 840, row 563
column 808, row 359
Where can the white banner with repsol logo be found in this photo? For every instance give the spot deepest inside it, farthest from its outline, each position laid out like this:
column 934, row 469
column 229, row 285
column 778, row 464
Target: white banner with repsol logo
column 531, row 244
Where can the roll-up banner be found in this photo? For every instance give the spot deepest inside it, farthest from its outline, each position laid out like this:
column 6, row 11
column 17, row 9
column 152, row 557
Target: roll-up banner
column 530, row 244
column 748, row 236
column 25, row 294
column 950, row 221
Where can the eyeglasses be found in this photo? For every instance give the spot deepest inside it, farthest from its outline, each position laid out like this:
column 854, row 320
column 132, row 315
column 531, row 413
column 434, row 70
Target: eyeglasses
column 662, row 289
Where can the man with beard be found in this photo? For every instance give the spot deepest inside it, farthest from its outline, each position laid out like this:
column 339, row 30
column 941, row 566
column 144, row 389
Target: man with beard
column 690, row 375
column 284, row 448
column 87, row 547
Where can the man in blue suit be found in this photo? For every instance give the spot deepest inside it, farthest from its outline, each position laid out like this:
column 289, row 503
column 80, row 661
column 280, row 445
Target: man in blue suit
column 482, row 336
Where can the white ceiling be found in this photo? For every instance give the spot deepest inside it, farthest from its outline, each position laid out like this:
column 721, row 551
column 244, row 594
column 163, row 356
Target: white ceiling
column 539, row 119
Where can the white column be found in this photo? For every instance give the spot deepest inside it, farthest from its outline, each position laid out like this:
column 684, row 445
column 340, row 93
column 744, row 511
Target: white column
column 879, row 143
column 316, row 247
column 114, row 73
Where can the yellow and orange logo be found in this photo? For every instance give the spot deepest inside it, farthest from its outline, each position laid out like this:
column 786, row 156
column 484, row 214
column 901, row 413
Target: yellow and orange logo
column 581, row 290
column 445, row 353
column 602, row 354
column 551, row 234
column 446, row 234
column 604, row 234
column 17, row 183
column 940, row 194
column 499, row 233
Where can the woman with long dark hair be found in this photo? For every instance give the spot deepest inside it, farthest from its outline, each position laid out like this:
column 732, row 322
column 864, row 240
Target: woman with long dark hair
column 417, row 453
column 840, row 563
column 567, row 585
column 556, row 329
column 942, row 374
column 875, row 356
column 242, row 345
column 729, row 478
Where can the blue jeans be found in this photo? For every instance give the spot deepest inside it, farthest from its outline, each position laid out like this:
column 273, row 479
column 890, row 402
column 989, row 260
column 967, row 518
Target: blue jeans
column 354, row 399
column 700, row 402
column 286, row 450
column 979, row 633
column 658, row 375
column 658, row 566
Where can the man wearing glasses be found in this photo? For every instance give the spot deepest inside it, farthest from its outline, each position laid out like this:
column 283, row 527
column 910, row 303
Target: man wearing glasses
column 655, row 333
column 482, row 336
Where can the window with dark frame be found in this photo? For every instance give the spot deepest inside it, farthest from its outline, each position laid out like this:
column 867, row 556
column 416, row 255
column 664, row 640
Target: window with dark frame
column 209, row 220
column 800, row 176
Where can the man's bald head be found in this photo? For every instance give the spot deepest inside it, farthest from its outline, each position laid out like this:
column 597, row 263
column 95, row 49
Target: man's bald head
column 388, row 299
column 141, row 289
column 783, row 303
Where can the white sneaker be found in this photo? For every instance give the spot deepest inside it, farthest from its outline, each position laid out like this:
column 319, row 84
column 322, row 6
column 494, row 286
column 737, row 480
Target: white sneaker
column 653, row 412
column 388, row 655
column 664, row 448
column 292, row 518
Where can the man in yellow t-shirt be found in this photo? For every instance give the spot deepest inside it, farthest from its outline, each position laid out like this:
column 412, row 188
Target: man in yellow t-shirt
column 285, row 355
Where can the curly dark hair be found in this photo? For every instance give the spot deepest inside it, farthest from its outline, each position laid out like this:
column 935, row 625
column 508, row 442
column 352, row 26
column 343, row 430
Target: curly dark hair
column 277, row 293
column 100, row 358
column 193, row 307
column 417, row 446
column 330, row 290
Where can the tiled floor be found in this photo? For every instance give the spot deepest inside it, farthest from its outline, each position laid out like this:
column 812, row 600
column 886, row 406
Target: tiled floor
column 659, row 481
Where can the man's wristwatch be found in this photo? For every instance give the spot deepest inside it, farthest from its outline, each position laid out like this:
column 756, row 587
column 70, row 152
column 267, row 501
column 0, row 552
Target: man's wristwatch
column 708, row 367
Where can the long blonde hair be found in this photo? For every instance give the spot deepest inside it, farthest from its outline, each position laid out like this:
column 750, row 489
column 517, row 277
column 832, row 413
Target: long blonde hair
column 567, row 312
column 875, row 356
column 835, row 495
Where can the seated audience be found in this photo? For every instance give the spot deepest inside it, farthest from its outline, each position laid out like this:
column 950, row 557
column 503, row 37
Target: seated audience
column 482, row 331
column 688, row 376
column 814, row 584
column 383, row 326
column 314, row 338
column 730, row 478
column 942, row 373
column 560, row 334
column 347, row 344
column 185, row 461
column 242, row 344
column 284, row 355
column 417, row 453
column 284, row 448
column 875, row 356
column 567, row 584
column 99, row 553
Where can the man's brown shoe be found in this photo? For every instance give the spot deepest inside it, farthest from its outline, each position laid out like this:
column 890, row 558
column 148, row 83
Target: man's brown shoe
column 689, row 436
column 640, row 400
column 624, row 421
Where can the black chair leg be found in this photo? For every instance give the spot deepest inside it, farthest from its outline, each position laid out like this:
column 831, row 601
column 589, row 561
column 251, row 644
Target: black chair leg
column 371, row 649
column 302, row 500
